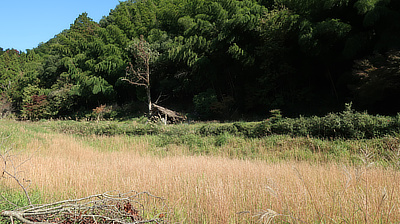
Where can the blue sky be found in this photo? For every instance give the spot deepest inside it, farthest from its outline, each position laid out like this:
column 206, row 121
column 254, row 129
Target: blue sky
column 26, row 23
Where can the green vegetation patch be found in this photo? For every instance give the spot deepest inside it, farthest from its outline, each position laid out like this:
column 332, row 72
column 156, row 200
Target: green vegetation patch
column 348, row 124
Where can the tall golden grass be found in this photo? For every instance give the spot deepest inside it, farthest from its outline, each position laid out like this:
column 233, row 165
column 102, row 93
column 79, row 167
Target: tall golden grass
column 201, row 189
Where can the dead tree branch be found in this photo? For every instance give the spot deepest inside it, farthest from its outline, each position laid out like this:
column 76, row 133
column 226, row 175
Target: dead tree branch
column 127, row 208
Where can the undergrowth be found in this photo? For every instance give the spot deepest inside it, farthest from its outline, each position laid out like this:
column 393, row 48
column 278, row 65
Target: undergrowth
column 348, row 124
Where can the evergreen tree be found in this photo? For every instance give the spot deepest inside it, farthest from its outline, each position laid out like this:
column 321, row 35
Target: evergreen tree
column 245, row 56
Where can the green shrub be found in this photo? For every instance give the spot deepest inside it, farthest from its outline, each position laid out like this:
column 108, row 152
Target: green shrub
column 246, row 129
column 222, row 139
column 217, row 129
column 347, row 124
column 107, row 128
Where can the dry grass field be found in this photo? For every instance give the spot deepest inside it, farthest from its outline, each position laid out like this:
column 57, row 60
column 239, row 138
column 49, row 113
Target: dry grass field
column 211, row 189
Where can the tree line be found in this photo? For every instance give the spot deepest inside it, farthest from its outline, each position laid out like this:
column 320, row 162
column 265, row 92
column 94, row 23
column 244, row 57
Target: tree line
column 221, row 59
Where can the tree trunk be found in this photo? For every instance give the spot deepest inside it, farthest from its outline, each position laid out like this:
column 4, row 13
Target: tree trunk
column 147, row 60
column 149, row 101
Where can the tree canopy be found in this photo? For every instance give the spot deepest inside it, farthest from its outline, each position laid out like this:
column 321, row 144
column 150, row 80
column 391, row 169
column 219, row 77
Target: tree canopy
column 220, row 59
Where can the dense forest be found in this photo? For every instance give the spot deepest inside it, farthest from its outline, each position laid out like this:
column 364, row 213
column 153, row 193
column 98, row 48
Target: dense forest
column 220, row 59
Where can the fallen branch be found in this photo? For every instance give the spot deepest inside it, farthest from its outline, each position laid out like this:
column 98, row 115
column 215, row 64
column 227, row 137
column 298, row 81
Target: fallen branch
column 127, row 208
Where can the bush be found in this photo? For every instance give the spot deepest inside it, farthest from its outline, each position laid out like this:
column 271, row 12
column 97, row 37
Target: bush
column 107, row 128
column 246, row 128
column 217, row 129
column 347, row 124
column 222, row 139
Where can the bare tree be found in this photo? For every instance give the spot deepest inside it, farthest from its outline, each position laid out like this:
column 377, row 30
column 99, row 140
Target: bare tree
column 139, row 74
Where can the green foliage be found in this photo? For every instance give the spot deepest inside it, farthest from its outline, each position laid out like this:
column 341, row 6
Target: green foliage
column 255, row 55
column 276, row 115
column 222, row 139
column 107, row 128
column 61, row 100
column 319, row 38
column 217, row 129
column 34, row 103
column 37, row 108
column 18, row 198
column 347, row 124
column 86, row 61
column 364, row 6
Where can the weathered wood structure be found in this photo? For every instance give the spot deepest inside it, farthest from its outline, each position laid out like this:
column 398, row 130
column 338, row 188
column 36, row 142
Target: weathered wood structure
column 167, row 115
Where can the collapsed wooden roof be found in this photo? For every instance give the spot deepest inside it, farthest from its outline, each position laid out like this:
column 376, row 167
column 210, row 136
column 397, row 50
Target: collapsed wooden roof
column 170, row 114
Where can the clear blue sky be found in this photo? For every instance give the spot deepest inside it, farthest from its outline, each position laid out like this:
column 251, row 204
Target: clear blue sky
column 26, row 23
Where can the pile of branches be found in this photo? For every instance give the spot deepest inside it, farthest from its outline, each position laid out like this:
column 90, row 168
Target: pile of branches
column 107, row 208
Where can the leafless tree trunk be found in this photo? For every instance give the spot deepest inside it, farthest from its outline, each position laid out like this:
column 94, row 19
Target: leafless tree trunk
column 139, row 75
